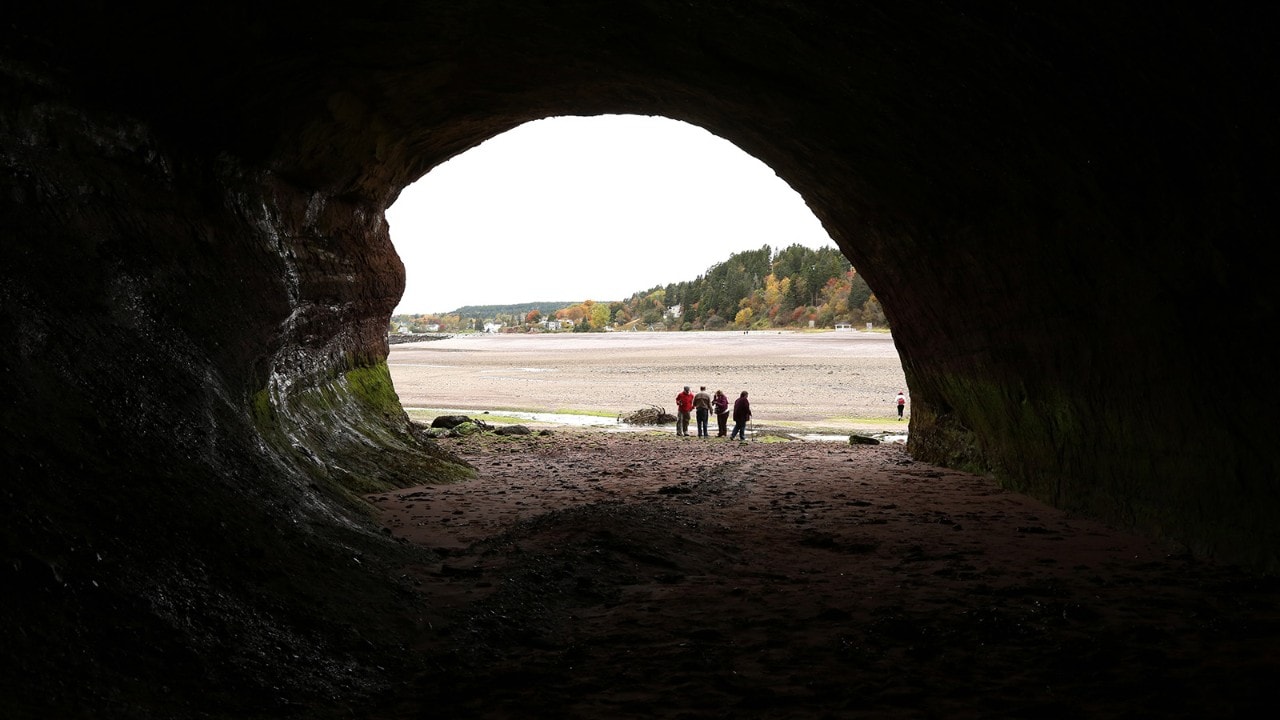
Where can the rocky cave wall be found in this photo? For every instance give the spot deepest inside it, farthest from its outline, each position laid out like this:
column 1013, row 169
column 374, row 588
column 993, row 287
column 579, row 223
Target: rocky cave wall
column 1062, row 211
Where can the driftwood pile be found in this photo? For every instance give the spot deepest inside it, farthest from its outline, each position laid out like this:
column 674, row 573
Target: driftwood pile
column 652, row 415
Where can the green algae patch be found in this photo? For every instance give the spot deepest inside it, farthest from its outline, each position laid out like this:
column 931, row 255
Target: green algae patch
column 467, row 428
column 588, row 413
column 767, row 439
column 349, row 436
column 263, row 410
column 373, row 387
column 504, row 419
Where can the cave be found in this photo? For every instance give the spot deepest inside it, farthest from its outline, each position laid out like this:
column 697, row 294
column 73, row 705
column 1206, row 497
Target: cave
column 1061, row 209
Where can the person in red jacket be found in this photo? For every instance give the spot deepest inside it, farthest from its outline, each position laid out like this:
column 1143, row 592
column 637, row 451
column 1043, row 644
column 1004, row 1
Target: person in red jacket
column 684, row 406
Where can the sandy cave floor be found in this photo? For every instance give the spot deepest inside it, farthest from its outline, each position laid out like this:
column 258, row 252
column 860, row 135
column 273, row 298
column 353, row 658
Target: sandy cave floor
column 587, row 574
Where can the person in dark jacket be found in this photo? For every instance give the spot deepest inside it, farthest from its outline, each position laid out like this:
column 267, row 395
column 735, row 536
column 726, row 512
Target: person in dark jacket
column 720, row 403
column 741, row 414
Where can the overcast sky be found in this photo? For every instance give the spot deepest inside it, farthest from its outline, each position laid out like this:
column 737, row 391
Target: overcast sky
column 587, row 209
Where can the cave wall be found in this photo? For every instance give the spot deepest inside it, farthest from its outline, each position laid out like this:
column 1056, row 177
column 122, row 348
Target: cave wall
column 1063, row 212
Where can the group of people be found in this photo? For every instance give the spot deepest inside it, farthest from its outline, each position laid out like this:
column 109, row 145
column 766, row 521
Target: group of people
column 701, row 405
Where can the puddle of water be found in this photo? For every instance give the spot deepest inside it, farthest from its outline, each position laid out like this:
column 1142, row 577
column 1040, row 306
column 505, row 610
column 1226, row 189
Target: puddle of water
column 824, row 437
column 556, row 418
column 608, row 423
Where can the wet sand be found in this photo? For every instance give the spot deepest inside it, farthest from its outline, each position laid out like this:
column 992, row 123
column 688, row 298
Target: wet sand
column 829, row 381
column 587, row 574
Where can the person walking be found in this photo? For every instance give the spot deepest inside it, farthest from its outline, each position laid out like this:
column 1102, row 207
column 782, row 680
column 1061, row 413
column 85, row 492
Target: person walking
column 720, row 403
column 684, row 406
column 741, row 414
column 702, row 409
column 902, row 403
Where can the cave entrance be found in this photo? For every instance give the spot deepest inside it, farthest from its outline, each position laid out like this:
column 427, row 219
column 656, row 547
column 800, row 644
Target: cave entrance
column 626, row 224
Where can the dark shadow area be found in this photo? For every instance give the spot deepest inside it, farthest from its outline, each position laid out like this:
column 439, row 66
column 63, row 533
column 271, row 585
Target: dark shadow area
column 196, row 278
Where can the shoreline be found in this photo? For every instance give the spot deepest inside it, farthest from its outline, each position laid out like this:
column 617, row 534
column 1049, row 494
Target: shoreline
column 799, row 382
column 566, row 420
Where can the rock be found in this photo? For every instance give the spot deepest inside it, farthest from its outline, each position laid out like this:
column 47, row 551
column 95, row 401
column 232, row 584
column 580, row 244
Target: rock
column 449, row 421
column 862, row 440
column 467, row 428
column 513, row 430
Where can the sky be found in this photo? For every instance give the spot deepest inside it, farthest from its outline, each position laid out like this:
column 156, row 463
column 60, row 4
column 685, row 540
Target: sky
column 587, row 208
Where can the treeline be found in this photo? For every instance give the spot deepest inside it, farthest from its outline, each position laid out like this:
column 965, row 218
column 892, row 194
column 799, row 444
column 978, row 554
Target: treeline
column 758, row 289
column 486, row 312
column 797, row 287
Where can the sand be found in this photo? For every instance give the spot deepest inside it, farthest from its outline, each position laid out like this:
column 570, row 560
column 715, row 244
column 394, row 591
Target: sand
column 588, row 574
column 825, row 381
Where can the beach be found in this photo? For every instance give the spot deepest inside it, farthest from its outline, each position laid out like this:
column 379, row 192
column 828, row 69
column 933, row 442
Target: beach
column 836, row 382
column 592, row 574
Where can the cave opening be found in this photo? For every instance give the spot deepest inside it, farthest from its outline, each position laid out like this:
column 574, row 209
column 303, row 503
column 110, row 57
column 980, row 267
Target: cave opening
column 603, row 205
column 614, row 223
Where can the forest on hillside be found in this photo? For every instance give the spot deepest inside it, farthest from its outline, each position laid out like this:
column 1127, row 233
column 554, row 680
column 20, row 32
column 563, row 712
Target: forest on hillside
column 797, row 287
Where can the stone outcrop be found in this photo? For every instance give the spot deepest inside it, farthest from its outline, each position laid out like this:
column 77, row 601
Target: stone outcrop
column 1062, row 211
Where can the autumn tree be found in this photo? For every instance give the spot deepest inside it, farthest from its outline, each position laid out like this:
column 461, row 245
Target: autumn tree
column 795, row 287
column 599, row 316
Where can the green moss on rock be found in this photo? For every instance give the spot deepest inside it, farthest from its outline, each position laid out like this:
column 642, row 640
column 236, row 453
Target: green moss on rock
column 350, row 435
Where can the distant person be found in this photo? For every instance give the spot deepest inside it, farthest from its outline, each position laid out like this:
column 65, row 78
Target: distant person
column 684, row 406
column 702, row 410
column 741, row 414
column 902, row 403
column 720, row 403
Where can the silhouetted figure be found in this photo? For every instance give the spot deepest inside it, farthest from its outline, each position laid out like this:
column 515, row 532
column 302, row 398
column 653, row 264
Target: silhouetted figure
column 741, row 414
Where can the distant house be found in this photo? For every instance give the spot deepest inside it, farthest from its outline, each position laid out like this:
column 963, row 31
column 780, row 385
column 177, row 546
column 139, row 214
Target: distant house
column 403, row 330
column 492, row 327
column 844, row 326
column 551, row 324
column 675, row 310
column 433, row 327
